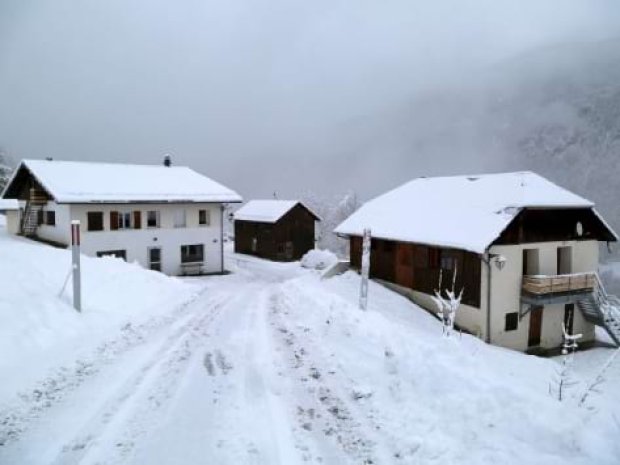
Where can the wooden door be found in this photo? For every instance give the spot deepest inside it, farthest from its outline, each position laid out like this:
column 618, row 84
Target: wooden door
column 404, row 265
column 535, row 326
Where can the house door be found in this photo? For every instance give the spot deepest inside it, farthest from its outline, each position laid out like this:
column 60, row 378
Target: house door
column 404, row 265
column 569, row 317
column 565, row 260
column 154, row 258
column 535, row 326
column 288, row 250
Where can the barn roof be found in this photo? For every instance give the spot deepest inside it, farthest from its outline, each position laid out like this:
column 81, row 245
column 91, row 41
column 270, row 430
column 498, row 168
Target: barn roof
column 463, row 212
column 268, row 211
column 85, row 182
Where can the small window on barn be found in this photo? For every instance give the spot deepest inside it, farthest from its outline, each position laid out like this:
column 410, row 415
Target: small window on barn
column 512, row 321
column 152, row 219
column 95, row 221
column 192, row 253
column 50, row 218
column 388, row 246
column 204, row 217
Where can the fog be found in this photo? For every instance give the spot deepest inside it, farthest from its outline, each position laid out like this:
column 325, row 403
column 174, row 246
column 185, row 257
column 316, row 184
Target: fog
column 275, row 95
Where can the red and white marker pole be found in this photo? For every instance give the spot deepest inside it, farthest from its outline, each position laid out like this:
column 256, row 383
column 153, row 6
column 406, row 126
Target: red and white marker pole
column 75, row 250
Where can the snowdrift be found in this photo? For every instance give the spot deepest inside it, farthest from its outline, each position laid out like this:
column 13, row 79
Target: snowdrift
column 36, row 319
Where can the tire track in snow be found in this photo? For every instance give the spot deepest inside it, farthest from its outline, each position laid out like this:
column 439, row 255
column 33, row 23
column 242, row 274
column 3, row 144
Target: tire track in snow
column 326, row 407
column 170, row 353
column 16, row 418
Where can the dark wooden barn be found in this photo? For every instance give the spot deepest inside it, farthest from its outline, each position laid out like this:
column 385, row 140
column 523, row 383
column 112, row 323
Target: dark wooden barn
column 279, row 230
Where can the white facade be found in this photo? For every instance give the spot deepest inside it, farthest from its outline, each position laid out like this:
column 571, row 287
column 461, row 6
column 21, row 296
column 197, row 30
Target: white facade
column 136, row 242
column 506, row 296
column 166, row 218
column 506, row 292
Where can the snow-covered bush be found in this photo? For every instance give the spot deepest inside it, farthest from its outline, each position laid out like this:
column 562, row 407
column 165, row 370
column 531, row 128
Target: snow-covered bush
column 319, row 259
column 447, row 306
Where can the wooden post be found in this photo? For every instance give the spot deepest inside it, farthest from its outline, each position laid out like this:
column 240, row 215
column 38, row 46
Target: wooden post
column 75, row 249
column 365, row 269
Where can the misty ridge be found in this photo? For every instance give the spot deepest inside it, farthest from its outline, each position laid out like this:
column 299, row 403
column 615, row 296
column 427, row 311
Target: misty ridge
column 555, row 111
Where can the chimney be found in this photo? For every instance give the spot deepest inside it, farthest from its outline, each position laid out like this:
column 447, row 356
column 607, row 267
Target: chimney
column 167, row 160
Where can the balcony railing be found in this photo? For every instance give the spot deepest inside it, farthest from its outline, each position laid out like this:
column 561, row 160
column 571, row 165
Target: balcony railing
column 539, row 285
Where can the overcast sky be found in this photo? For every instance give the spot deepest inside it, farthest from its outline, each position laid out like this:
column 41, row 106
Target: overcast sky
column 261, row 95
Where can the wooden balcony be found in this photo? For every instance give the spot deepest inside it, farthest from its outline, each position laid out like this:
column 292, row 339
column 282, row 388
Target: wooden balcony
column 548, row 289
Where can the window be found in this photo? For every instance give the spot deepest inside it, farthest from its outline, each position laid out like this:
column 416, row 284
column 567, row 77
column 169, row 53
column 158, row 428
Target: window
column 152, row 219
column 388, row 246
column 204, row 217
column 512, row 321
column 447, row 263
column 113, row 253
column 124, row 220
column 179, row 218
column 154, row 258
column 95, row 221
column 50, row 218
column 192, row 253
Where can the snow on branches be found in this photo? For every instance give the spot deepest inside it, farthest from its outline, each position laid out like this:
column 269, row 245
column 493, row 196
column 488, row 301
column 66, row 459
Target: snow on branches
column 447, row 306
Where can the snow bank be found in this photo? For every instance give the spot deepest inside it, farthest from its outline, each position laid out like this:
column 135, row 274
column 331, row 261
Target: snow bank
column 35, row 319
column 319, row 259
column 422, row 398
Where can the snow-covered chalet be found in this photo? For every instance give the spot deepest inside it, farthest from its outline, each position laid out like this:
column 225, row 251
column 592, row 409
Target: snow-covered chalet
column 279, row 230
column 525, row 251
column 167, row 218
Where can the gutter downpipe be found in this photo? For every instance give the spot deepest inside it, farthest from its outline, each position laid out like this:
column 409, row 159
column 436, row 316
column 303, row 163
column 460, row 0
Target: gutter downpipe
column 222, row 237
column 487, row 260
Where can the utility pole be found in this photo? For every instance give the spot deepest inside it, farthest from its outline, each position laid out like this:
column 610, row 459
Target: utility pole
column 75, row 250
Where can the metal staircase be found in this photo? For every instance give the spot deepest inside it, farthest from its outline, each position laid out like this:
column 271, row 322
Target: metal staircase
column 30, row 219
column 603, row 310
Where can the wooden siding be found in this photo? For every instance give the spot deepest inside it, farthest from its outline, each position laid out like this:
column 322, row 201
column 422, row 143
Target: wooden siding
column 418, row 267
column 26, row 187
column 289, row 239
column 554, row 225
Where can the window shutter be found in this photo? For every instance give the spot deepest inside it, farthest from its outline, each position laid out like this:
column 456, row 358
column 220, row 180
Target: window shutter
column 137, row 220
column 114, row 221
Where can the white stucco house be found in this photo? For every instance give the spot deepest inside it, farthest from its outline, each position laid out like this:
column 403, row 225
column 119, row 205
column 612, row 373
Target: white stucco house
column 167, row 218
column 525, row 251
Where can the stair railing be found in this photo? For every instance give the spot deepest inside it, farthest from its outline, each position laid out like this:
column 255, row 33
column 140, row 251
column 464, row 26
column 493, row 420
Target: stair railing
column 24, row 219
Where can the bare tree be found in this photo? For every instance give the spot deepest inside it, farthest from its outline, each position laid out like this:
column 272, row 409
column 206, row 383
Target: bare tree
column 447, row 306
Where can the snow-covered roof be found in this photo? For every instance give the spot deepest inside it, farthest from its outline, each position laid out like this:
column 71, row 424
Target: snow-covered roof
column 84, row 182
column 268, row 211
column 9, row 204
column 464, row 212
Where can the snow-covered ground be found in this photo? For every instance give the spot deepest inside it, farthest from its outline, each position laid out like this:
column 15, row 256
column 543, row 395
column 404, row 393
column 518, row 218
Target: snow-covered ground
column 268, row 365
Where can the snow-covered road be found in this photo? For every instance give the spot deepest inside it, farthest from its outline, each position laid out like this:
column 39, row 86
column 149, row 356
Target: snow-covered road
column 208, row 386
column 271, row 365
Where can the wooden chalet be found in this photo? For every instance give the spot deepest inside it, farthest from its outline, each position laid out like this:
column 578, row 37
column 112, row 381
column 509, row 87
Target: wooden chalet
column 517, row 243
column 279, row 230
